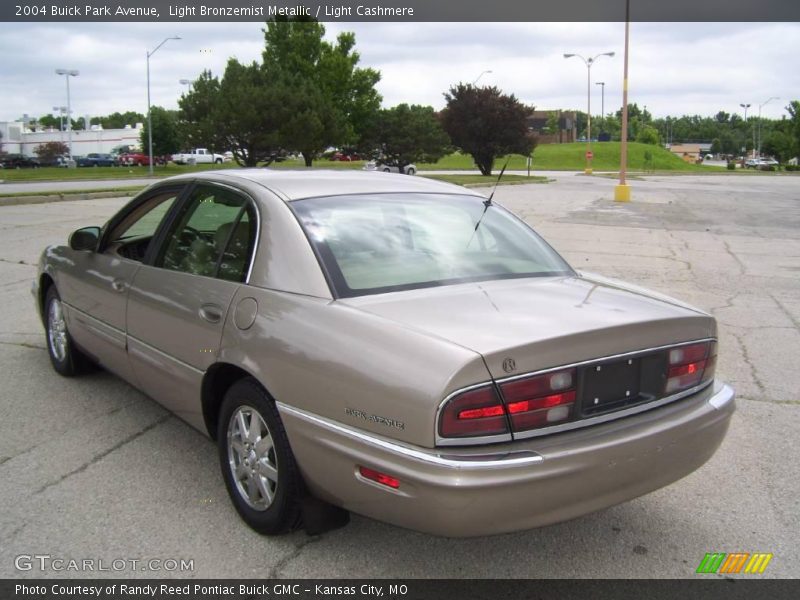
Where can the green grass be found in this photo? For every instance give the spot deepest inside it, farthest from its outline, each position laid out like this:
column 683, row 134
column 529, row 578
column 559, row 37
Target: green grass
column 570, row 157
column 481, row 180
column 547, row 157
column 127, row 190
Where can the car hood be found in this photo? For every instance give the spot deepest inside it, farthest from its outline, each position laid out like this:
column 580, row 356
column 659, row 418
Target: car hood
column 542, row 322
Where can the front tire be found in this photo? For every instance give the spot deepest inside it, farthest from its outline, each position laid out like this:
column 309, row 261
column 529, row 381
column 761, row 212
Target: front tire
column 218, row 161
column 66, row 359
column 257, row 463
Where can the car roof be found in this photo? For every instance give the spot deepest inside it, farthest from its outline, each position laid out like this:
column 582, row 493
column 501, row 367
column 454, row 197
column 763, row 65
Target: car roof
column 295, row 184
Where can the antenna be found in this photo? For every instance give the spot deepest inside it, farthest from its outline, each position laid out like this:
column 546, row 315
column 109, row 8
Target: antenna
column 487, row 203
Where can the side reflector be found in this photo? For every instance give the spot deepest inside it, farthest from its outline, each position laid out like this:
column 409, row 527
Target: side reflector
column 379, row 477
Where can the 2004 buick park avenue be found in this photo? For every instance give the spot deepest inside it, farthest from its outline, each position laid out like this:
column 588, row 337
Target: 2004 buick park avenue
column 398, row 347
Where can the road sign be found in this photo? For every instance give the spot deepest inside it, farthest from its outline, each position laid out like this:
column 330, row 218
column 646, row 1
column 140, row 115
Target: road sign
column 589, row 155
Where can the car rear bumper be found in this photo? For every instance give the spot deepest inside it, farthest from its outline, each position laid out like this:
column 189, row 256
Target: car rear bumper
column 462, row 492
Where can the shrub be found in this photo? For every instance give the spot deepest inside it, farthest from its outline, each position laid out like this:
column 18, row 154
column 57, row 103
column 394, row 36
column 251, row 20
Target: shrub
column 731, row 165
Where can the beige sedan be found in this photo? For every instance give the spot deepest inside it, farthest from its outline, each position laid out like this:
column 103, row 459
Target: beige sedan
column 389, row 345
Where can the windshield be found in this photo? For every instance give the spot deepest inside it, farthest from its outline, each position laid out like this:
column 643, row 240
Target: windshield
column 376, row 243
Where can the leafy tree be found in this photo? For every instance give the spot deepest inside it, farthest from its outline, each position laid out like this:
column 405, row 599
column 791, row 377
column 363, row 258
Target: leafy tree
column 1, row 143
column 408, row 134
column 248, row 112
column 165, row 132
column 552, row 125
column 118, row 120
column 722, row 117
column 780, row 145
column 196, row 119
column 793, row 127
column 50, row 121
column 335, row 100
column 648, row 135
column 486, row 123
column 50, row 150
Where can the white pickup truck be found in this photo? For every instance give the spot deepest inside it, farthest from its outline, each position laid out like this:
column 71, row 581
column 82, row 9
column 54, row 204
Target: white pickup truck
column 197, row 156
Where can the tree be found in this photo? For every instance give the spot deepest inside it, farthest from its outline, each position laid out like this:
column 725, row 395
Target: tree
column 780, row 145
column 486, row 123
column 408, row 134
column 165, row 132
column 794, row 125
column 197, row 126
column 334, row 99
column 1, row 143
column 49, row 151
column 47, row 121
column 648, row 135
column 117, row 120
column 552, row 125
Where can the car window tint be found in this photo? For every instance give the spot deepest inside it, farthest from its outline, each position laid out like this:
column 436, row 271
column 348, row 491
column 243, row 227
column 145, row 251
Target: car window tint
column 374, row 244
column 214, row 228
column 145, row 219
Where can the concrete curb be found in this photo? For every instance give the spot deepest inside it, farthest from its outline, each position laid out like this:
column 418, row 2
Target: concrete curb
column 65, row 197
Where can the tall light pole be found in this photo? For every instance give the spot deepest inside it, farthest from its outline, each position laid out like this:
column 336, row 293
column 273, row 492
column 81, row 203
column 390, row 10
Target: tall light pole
column 187, row 82
column 622, row 191
column 481, row 75
column 745, row 107
column 149, row 116
column 602, row 85
column 760, row 106
column 61, row 110
column 589, row 62
column 67, row 74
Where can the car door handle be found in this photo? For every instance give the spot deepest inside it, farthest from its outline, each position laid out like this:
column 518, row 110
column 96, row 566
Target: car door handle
column 119, row 285
column 211, row 313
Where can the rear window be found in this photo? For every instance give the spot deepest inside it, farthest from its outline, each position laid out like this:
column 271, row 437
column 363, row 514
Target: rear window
column 370, row 244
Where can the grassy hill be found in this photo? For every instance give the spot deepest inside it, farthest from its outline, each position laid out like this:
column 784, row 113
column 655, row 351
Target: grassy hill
column 570, row 157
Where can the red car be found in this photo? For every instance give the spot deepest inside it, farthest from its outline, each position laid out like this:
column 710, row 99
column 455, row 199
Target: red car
column 138, row 159
column 345, row 156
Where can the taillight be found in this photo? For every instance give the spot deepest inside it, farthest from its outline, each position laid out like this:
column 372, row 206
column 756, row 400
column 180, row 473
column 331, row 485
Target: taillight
column 540, row 401
column 474, row 413
column 690, row 366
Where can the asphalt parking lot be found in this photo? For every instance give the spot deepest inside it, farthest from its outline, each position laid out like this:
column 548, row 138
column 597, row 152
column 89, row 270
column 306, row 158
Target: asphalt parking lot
column 92, row 469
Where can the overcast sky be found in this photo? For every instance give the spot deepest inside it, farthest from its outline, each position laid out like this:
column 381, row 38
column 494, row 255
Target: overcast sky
column 676, row 68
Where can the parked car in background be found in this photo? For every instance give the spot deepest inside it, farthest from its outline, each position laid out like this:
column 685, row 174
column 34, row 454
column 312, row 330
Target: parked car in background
column 385, row 167
column 56, row 161
column 767, row 162
column 134, row 159
column 399, row 347
column 96, row 159
column 345, row 156
column 197, row 156
column 19, row 161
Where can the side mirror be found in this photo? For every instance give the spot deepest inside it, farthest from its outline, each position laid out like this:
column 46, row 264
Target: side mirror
column 85, row 238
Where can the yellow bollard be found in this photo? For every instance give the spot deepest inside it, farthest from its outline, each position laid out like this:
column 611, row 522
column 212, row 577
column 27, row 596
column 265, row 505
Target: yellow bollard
column 622, row 193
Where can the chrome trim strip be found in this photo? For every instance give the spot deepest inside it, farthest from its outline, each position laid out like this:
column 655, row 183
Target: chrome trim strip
column 160, row 353
column 100, row 328
column 482, row 461
column 440, row 441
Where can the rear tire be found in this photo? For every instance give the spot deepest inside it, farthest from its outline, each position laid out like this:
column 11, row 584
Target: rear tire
column 411, row 171
column 66, row 359
column 218, row 161
column 257, row 463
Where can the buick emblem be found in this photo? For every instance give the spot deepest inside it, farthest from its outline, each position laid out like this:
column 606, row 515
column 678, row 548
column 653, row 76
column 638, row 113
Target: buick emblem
column 509, row 365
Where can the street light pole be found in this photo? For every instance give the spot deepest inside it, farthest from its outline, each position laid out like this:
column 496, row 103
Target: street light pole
column 149, row 115
column 622, row 191
column 60, row 110
column 68, row 73
column 745, row 107
column 479, row 76
column 187, row 82
column 760, row 106
column 589, row 62
column 602, row 85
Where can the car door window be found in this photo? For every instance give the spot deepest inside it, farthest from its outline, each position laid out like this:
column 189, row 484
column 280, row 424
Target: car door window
column 131, row 236
column 213, row 235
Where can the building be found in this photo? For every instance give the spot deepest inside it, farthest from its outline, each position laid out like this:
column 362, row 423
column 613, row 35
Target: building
column 567, row 126
column 19, row 139
column 688, row 152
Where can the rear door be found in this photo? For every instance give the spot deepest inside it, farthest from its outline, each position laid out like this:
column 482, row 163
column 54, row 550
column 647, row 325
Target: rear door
column 177, row 304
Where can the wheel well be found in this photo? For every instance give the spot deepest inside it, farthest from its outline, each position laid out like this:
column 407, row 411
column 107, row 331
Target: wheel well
column 45, row 281
column 218, row 379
